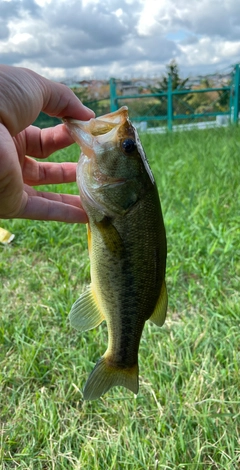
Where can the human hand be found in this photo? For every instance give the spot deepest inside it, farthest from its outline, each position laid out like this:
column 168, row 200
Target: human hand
column 23, row 94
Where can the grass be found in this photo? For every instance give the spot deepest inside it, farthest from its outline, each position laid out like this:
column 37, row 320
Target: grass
column 187, row 413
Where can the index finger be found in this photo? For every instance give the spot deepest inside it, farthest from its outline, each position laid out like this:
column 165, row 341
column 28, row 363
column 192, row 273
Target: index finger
column 38, row 173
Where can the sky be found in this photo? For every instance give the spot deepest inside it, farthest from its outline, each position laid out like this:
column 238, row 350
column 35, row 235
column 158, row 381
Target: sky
column 79, row 39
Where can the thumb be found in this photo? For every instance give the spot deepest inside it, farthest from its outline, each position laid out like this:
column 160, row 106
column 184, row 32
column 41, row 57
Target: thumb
column 11, row 182
column 24, row 93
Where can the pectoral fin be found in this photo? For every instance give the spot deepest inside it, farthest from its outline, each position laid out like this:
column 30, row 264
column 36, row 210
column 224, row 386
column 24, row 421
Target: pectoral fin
column 159, row 314
column 110, row 237
column 85, row 313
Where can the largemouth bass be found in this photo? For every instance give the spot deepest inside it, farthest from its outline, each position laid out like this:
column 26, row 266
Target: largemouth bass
column 127, row 246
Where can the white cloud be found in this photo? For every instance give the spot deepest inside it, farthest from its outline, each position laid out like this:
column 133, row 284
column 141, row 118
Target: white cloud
column 20, row 38
column 111, row 37
column 206, row 51
column 147, row 18
column 42, row 3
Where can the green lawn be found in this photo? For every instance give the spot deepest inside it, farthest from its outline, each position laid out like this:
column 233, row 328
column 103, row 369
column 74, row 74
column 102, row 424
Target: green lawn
column 187, row 412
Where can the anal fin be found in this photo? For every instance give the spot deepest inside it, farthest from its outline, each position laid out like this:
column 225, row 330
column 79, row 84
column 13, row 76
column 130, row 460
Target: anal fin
column 85, row 314
column 159, row 315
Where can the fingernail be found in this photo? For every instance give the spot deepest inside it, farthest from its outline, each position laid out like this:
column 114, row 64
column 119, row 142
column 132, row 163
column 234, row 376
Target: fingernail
column 89, row 111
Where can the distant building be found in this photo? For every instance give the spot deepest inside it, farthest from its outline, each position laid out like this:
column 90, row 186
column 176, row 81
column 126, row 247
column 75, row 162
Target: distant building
column 128, row 88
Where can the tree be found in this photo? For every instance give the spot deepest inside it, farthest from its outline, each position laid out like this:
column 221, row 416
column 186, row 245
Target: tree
column 224, row 98
column 177, row 82
column 180, row 105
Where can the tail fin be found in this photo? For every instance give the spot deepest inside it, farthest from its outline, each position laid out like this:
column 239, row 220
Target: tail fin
column 105, row 376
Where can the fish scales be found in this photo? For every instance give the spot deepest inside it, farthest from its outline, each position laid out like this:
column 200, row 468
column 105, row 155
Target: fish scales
column 130, row 298
column 127, row 246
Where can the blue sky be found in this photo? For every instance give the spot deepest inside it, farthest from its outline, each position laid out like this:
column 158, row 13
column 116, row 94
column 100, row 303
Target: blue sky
column 101, row 38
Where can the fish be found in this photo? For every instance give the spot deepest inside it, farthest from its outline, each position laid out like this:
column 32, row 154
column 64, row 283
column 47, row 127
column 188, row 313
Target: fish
column 126, row 242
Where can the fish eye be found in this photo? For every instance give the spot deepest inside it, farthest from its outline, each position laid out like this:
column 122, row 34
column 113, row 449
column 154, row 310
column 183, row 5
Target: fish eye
column 128, row 145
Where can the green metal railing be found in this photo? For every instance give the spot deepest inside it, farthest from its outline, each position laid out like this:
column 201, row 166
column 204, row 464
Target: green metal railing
column 170, row 117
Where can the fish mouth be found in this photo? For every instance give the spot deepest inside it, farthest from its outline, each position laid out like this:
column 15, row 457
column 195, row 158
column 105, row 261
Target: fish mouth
column 97, row 131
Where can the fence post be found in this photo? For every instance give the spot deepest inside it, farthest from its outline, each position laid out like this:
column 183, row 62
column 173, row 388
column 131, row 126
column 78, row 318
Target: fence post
column 231, row 98
column 236, row 94
column 169, row 104
column 113, row 96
